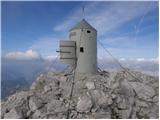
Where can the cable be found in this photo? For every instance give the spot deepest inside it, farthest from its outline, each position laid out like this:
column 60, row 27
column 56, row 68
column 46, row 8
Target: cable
column 52, row 63
column 110, row 54
column 72, row 87
column 99, row 69
column 70, row 96
column 83, row 7
column 66, row 68
column 116, row 60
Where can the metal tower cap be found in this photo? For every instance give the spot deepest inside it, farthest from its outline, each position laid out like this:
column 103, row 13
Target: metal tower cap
column 83, row 24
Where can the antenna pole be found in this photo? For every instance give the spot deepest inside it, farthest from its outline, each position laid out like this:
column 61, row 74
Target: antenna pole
column 83, row 12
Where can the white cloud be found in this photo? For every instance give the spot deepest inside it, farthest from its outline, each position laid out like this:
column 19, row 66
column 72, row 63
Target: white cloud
column 122, row 59
column 30, row 55
column 152, row 60
column 150, row 66
column 132, row 60
column 46, row 46
column 27, row 55
column 50, row 57
column 140, row 59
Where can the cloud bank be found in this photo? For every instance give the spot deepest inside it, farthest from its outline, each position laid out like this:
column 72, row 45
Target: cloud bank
column 150, row 65
column 27, row 55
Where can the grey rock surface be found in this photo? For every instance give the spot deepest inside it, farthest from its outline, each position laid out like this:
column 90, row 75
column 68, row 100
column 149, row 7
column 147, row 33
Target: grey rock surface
column 100, row 96
column 90, row 85
column 84, row 104
column 13, row 113
column 34, row 103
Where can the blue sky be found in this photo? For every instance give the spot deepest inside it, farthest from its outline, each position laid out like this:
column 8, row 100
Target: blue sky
column 126, row 29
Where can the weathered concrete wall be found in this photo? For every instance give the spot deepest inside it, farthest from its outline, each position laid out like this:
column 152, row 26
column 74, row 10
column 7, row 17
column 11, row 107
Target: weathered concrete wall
column 87, row 60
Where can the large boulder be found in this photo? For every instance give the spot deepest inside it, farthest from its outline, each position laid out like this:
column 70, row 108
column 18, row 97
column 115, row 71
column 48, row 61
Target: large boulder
column 84, row 104
column 56, row 106
column 143, row 91
column 90, row 85
column 16, row 104
column 15, row 113
column 35, row 103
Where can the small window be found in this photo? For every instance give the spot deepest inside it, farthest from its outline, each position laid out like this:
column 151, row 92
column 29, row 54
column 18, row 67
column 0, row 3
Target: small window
column 81, row 49
column 88, row 31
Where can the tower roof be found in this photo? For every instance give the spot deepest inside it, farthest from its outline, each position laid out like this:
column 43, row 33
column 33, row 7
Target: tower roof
column 83, row 24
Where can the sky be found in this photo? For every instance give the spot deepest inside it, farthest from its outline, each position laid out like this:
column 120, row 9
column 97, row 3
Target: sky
column 129, row 30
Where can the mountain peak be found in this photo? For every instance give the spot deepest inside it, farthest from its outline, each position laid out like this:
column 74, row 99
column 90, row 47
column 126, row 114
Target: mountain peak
column 104, row 95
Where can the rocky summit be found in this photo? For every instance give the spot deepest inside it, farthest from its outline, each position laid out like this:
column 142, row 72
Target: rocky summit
column 103, row 95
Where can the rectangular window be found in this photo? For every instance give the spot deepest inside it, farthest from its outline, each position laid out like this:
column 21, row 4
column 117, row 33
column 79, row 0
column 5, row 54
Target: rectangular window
column 81, row 49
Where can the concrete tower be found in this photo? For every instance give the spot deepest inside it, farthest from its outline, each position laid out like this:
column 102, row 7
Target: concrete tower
column 81, row 48
column 85, row 37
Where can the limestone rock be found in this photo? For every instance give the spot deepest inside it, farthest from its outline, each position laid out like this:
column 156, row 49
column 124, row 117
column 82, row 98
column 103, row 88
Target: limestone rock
column 143, row 91
column 105, row 101
column 122, row 104
column 35, row 103
column 97, row 94
column 37, row 114
column 47, row 88
column 90, row 85
column 103, row 95
column 84, row 104
column 141, row 103
column 100, row 115
column 56, row 106
column 14, row 113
